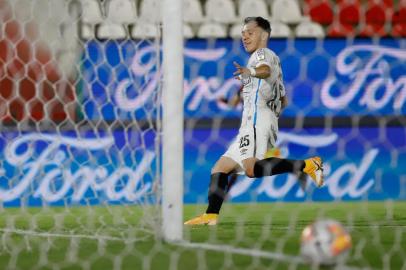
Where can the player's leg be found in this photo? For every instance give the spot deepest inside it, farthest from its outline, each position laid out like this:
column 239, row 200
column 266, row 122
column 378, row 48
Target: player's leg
column 248, row 165
column 273, row 166
column 301, row 176
column 260, row 143
column 262, row 166
column 217, row 188
column 219, row 183
column 257, row 166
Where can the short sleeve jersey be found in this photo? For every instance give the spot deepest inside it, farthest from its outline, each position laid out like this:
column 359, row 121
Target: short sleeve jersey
column 262, row 94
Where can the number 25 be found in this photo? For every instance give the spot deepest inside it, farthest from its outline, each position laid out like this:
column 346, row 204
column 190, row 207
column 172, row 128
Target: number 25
column 244, row 141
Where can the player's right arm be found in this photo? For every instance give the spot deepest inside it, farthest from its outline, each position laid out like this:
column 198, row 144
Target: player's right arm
column 261, row 71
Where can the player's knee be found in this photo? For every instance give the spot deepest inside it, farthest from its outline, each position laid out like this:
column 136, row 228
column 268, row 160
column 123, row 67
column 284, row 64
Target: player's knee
column 250, row 172
column 249, row 165
column 217, row 169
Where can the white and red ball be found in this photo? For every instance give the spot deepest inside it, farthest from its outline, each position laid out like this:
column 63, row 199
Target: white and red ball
column 325, row 242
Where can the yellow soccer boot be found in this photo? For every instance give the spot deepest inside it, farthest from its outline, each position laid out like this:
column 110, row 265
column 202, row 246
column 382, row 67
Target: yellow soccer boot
column 314, row 168
column 205, row 219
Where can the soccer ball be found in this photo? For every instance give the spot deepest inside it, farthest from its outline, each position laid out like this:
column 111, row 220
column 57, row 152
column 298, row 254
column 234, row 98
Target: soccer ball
column 325, row 242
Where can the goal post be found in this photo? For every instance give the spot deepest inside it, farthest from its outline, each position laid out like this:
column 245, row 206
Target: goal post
column 172, row 121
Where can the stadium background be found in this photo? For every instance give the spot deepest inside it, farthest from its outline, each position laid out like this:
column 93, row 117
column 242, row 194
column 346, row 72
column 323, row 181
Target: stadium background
column 346, row 86
column 78, row 97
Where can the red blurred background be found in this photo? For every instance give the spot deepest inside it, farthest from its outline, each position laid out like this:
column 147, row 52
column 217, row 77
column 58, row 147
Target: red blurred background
column 31, row 85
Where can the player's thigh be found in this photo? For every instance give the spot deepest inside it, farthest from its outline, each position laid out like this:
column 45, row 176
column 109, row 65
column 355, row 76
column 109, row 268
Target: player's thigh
column 263, row 142
column 246, row 143
column 260, row 145
column 224, row 165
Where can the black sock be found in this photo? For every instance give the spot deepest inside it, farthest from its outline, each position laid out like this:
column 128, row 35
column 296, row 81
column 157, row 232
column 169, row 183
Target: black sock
column 217, row 192
column 272, row 166
column 232, row 179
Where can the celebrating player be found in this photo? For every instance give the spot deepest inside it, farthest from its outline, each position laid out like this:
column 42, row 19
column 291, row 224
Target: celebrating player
column 263, row 97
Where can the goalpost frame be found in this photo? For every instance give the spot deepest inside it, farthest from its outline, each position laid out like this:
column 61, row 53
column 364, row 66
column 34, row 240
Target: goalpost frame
column 172, row 120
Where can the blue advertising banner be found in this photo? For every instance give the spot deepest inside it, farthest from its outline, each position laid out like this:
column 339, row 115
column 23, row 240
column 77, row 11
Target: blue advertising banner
column 76, row 168
column 361, row 165
column 327, row 77
column 119, row 168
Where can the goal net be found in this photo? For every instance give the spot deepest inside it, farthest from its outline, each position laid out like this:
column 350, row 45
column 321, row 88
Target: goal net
column 81, row 145
column 80, row 135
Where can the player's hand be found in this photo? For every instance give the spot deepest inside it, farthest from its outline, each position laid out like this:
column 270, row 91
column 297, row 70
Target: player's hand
column 243, row 71
column 223, row 100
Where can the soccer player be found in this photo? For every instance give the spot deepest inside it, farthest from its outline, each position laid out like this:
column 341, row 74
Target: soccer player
column 263, row 97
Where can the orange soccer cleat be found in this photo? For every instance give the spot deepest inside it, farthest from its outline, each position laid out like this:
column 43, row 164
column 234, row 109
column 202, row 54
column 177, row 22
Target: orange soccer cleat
column 314, row 168
column 205, row 219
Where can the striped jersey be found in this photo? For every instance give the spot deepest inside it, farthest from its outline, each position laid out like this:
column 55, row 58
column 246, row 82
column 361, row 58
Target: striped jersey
column 262, row 95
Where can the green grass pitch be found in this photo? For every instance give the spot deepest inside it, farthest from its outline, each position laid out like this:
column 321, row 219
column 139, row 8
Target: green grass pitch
column 378, row 230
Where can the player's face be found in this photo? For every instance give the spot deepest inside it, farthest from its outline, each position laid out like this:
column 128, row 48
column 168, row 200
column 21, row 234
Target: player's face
column 251, row 36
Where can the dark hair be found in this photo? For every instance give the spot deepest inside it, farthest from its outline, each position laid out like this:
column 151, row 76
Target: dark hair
column 261, row 22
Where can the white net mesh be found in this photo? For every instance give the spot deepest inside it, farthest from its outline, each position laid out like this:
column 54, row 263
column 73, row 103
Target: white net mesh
column 79, row 138
column 80, row 144
column 345, row 107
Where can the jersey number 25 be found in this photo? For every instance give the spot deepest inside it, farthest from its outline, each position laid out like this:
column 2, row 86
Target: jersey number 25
column 244, row 141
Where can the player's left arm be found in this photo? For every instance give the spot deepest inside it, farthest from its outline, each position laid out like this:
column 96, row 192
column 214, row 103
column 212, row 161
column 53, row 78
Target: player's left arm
column 234, row 100
column 284, row 102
